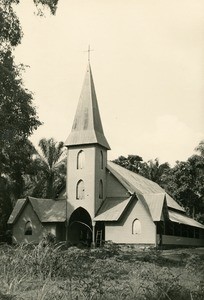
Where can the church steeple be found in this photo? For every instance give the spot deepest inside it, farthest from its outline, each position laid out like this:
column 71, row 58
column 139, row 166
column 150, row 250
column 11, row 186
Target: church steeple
column 87, row 127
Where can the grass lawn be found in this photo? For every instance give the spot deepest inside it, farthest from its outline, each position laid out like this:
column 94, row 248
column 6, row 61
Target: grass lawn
column 49, row 272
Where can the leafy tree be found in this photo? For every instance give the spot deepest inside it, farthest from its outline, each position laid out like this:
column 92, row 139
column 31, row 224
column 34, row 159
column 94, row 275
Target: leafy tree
column 51, row 4
column 185, row 183
column 132, row 162
column 155, row 170
column 200, row 148
column 5, row 204
column 18, row 117
column 151, row 169
column 49, row 169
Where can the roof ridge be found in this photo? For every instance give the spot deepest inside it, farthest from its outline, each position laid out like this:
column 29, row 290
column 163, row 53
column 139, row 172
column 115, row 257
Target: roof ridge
column 136, row 174
column 139, row 184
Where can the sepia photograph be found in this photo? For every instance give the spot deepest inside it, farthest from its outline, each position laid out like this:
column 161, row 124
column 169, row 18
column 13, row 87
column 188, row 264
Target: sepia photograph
column 101, row 150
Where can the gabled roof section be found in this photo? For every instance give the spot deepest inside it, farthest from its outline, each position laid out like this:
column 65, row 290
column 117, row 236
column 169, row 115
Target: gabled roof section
column 173, row 204
column 47, row 210
column 112, row 209
column 17, row 210
column 140, row 185
column 135, row 183
column 87, row 127
column 155, row 203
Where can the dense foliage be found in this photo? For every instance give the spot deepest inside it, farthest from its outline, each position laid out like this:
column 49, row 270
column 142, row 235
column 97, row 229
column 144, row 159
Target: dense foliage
column 185, row 182
column 48, row 174
column 18, row 117
column 151, row 169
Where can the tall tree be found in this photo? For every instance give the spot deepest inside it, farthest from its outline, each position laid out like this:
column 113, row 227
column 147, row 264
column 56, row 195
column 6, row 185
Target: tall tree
column 5, row 204
column 185, row 183
column 151, row 169
column 131, row 162
column 49, row 169
column 18, row 117
column 156, row 170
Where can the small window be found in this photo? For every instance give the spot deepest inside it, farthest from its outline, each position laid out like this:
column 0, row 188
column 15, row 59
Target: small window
column 80, row 190
column 81, row 160
column 101, row 189
column 28, row 228
column 101, row 159
column 136, row 227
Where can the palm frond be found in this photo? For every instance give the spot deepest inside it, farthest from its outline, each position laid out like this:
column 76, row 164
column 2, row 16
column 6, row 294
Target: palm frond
column 49, row 168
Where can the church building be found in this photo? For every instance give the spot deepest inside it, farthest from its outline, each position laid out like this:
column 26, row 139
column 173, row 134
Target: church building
column 103, row 201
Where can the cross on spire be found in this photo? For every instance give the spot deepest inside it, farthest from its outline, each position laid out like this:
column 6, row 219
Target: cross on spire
column 88, row 51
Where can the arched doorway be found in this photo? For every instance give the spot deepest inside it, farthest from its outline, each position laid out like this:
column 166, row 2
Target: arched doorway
column 80, row 227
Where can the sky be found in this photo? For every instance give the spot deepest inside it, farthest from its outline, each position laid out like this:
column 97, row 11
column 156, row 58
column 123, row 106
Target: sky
column 147, row 64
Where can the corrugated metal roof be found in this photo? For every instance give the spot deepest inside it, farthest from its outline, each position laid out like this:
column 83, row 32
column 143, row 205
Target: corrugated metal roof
column 155, row 204
column 16, row 210
column 138, row 184
column 112, row 209
column 87, row 127
column 132, row 181
column 173, row 204
column 182, row 219
column 84, row 137
column 47, row 210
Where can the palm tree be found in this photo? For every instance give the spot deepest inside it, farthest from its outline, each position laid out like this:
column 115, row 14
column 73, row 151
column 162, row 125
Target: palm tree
column 49, row 169
column 156, row 170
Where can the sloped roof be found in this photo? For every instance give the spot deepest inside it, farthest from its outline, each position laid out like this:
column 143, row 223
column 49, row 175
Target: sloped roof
column 140, row 185
column 16, row 210
column 87, row 127
column 132, row 181
column 173, row 204
column 112, row 209
column 183, row 219
column 47, row 210
column 155, row 204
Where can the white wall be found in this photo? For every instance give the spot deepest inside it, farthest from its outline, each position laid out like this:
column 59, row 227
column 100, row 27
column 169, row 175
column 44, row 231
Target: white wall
column 39, row 230
column 114, row 187
column 91, row 174
column 121, row 232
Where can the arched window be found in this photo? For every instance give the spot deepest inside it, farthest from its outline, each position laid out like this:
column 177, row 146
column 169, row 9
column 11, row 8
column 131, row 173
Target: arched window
column 101, row 159
column 136, row 227
column 80, row 190
column 80, row 160
column 100, row 189
column 28, row 228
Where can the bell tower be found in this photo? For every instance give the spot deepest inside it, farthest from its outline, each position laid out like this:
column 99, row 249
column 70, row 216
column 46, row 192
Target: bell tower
column 87, row 153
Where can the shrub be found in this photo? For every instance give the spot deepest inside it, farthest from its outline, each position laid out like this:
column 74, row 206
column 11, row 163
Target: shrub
column 51, row 271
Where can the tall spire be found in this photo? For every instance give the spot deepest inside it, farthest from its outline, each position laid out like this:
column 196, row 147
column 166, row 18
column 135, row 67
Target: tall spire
column 87, row 127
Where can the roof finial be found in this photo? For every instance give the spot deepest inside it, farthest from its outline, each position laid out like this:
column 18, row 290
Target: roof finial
column 88, row 51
